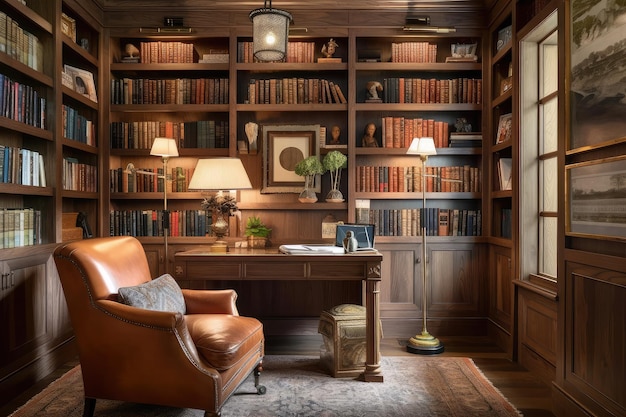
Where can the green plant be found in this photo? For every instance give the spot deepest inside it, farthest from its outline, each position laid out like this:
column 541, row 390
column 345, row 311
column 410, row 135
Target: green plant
column 309, row 166
column 255, row 227
column 334, row 161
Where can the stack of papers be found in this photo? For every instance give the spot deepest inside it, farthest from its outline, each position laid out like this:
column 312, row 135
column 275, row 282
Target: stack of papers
column 311, row 249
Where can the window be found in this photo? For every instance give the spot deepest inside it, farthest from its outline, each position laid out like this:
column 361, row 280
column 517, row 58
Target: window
column 539, row 150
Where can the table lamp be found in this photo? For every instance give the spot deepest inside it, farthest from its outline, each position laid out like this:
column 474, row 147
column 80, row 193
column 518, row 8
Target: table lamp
column 219, row 174
column 423, row 343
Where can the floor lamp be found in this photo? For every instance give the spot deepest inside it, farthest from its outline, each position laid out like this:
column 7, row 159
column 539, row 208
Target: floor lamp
column 165, row 148
column 423, row 343
column 218, row 174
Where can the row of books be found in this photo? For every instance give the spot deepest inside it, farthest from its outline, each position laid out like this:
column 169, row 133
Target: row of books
column 420, row 90
column 165, row 52
column 410, row 221
column 398, row 132
column 169, row 91
column 21, row 166
column 77, row 127
column 414, row 52
column 19, row 227
column 78, row 176
column 205, row 134
column 409, row 179
column 22, row 103
column 294, row 91
column 20, row 44
column 297, row 52
column 150, row 222
column 123, row 181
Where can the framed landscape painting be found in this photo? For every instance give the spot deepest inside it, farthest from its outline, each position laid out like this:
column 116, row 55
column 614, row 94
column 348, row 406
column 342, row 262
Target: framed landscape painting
column 597, row 198
column 598, row 73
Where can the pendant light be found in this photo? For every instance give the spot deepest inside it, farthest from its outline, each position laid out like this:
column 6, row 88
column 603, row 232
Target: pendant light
column 270, row 31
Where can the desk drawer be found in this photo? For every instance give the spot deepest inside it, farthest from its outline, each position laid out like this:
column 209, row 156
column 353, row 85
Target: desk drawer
column 337, row 270
column 214, row 270
column 275, row 271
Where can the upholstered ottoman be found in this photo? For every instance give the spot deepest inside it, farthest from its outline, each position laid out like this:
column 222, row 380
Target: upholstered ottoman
column 343, row 330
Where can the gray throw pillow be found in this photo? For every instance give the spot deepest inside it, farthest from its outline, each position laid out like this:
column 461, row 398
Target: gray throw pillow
column 160, row 294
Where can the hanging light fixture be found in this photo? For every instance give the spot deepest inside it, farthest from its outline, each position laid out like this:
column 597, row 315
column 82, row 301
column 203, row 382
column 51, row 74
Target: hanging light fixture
column 270, row 31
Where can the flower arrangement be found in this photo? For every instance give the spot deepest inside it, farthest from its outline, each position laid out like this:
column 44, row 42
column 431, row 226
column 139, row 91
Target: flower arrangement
column 224, row 204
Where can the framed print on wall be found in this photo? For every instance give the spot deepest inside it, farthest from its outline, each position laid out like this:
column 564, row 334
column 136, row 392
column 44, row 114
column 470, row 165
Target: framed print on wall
column 598, row 74
column 596, row 198
column 283, row 147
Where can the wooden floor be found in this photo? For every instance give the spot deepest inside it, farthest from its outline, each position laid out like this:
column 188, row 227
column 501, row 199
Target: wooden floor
column 526, row 392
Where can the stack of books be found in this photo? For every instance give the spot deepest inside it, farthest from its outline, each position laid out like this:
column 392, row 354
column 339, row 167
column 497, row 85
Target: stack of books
column 466, row 139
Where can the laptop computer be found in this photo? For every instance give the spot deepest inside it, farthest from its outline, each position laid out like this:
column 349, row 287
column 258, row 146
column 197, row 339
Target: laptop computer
column 364, row 234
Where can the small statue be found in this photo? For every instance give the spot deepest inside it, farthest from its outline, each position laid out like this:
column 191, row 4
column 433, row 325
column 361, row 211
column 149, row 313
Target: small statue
column 369, row 141
column 329, row 48
column 252, row 132
column 462, row 125
column 131, row 50
column 373, row 88
column 335, row 133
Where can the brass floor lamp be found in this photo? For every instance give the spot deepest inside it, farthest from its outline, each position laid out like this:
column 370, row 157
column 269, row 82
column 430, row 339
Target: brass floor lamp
column 423, row 343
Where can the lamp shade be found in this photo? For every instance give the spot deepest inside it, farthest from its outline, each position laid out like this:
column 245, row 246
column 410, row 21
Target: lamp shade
column 422, row 147
column 164, row 147
column 219, row 174
column 270, row 32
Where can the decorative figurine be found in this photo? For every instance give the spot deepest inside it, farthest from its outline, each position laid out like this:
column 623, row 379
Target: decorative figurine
column 328, row 49
column 369, row 141
column 373, row 88
column 335, row 133
column 462, row 125
column 350, row 243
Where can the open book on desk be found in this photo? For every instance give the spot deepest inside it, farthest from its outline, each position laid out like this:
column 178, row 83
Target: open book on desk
column 319, row 250
column 311, row 249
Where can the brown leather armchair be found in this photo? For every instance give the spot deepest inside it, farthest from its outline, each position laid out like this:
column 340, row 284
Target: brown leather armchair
column 192, row 360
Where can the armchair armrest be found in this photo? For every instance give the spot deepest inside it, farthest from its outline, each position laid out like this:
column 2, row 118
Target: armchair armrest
column 149, row 318
column 211, row 301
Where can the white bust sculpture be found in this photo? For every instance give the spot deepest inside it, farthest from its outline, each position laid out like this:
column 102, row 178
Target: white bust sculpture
column 252, row 132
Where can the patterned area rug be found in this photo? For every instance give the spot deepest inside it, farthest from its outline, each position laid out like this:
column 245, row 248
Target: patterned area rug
column 298, row 387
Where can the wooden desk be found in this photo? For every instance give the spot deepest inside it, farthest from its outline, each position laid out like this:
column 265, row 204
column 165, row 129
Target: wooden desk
column 269, row 264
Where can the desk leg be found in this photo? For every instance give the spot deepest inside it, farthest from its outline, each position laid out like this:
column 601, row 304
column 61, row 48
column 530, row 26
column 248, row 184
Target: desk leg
column 373, row 371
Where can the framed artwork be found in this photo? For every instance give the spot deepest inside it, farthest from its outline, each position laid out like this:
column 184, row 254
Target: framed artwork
column 83, row 82
column 596, row 198
column 68, row 26
column 504, row 128
column 597, row 83
column 283, row 147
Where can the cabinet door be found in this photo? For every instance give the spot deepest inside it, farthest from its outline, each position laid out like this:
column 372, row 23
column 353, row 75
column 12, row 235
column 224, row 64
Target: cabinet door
column 23, row 306
column 500, row 286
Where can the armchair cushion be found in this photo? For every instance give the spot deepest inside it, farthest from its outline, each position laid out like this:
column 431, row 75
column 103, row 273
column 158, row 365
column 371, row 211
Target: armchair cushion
column 159, row 294
column 224, row 340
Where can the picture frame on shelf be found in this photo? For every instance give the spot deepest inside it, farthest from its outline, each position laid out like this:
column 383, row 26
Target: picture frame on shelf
column 68, row 26
column 83, row 82
column 463, row 52
column 283, row 147
column 506, row 84
column 504, row 128
column 504, row 37
column 596, row 88
column 333, row 139
column 595, row 201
